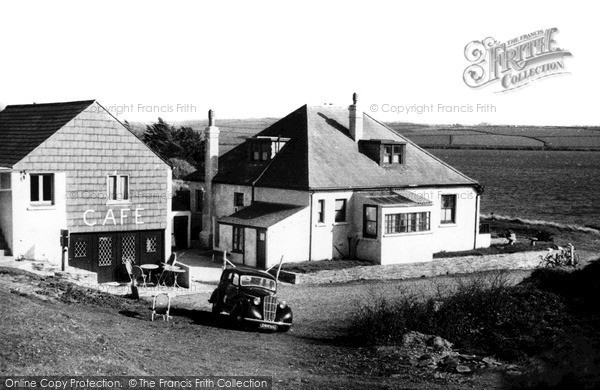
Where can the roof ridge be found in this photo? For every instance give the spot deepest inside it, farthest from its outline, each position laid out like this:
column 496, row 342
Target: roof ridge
column 51, row 103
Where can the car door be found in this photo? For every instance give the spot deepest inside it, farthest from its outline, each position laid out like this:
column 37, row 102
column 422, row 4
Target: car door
column 232, row 291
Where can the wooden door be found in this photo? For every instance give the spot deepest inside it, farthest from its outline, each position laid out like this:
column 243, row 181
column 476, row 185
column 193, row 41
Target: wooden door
column 261, row 248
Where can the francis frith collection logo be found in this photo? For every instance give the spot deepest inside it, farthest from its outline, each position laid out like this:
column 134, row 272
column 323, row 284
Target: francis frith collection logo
column 516, row 62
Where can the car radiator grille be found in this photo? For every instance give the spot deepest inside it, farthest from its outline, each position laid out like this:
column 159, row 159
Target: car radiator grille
column 269, row 308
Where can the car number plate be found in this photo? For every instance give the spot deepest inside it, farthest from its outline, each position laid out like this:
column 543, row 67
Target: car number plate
column 268, row 326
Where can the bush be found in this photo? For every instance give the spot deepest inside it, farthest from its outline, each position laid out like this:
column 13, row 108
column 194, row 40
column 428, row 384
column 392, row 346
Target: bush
column 484, row 315
column 181, row 168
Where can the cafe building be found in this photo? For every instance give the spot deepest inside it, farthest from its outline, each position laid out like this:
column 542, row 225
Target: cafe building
column 74, row 168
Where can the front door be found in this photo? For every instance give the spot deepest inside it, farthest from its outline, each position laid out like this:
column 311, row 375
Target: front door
column 261, row 248
column 127, row 249
column 106, row 264
column 81, row 251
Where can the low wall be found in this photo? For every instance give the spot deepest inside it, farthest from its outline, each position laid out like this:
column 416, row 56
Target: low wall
column 443, row 266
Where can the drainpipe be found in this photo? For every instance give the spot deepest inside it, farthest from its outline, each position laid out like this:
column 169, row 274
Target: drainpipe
column 478, row 191
column 310, row 227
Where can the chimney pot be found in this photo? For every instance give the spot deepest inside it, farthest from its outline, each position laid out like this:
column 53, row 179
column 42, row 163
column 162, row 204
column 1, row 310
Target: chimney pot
column 211, row 118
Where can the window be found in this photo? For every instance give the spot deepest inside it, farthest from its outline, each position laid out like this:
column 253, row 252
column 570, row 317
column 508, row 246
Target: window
column 407, row 222
column 238, row 239
column 340, row 210
column 261, row 151
column 5, row 181
column 370, row 221
column 448, row 209
column 321, row 211
column 238, row 200
column 393, row 154
column 118, row 187
column 199, row 196
column 42, row 189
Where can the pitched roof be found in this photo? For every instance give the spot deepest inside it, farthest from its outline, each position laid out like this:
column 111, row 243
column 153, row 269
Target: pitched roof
column 321, row 155
column 261, row 214
column 24, row 127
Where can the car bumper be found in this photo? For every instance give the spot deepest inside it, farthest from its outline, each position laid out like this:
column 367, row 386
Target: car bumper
column 278, row 323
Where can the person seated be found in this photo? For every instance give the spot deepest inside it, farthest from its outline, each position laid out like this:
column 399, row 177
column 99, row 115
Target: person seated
column 512, row 237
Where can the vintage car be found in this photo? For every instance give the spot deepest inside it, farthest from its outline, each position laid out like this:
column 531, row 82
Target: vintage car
column 249, row 296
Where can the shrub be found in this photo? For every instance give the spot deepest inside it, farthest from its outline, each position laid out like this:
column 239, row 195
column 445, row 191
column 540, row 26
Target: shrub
column 483, row 315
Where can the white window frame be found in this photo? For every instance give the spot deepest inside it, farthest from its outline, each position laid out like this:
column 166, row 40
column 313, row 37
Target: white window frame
column 119, row 189
column 41, row 201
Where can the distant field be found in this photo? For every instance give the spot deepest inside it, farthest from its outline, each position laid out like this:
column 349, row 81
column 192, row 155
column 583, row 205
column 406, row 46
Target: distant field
column 487, row 136
column 235, row 131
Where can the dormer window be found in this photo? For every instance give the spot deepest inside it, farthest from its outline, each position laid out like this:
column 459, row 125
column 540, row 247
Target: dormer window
column 384, row 152
column 393, row 154
column 264, row 148
column 260, row 151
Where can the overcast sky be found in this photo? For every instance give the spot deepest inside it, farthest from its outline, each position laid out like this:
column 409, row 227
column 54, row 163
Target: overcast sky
column 264, row 59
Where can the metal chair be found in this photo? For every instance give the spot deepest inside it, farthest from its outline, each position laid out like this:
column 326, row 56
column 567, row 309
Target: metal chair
column 129, row 268
column 137, row 273
column 161, row 305
column 169, row 267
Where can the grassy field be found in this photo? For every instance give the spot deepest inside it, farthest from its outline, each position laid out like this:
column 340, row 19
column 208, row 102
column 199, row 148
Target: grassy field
column 235, row 131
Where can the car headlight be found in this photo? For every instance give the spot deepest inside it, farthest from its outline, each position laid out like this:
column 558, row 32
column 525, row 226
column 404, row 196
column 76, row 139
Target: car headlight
column 282, row 304
column 256, row 301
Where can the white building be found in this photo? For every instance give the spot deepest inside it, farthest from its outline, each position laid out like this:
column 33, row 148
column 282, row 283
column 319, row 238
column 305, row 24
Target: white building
column 73, row 166
column 330, row 182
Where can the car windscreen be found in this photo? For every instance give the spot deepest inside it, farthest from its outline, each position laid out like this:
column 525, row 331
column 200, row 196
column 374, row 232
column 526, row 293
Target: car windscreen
column 257, row 281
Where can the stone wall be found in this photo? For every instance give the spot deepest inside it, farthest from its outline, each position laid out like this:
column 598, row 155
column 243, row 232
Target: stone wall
column 444, row 266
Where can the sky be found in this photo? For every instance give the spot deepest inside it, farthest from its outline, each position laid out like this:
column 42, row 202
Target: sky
column 252, row 59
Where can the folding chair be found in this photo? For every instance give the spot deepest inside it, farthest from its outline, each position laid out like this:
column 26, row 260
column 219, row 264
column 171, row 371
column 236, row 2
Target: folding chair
column 161, row 305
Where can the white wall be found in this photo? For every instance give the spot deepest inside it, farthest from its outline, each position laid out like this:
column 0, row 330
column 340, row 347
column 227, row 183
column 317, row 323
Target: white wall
column 410, row 247
column 328, row 233
column 460, row 235
column 289, row 238
column 276, row 195
column 36, row 229
column 223, row 198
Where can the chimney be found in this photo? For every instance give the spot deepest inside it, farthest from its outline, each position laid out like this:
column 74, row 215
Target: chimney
column 356, row 119
column 211, row 166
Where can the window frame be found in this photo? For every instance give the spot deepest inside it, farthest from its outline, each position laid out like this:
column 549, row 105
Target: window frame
column 444, row 210
column 342, row 209
column 392, row 152
column 41, row 201
column 237, row 239
column 199, row 200
column 236, row 197
column 367, row 222
column 321, row 211
column 403, row 223
column 118, row 189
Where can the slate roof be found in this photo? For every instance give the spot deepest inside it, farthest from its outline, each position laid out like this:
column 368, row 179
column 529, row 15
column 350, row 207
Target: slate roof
column 25, row 127
column 261, row 214
column 321, row 155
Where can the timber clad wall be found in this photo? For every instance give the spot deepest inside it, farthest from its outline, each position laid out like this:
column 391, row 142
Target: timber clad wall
column 87, row 149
